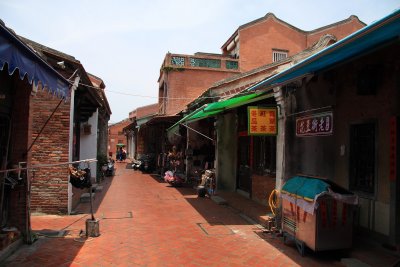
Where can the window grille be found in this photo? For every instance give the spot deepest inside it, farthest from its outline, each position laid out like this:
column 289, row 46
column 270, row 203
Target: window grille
column 205, row 62
column 278, row 55
column 178, row 61
column 232, row 65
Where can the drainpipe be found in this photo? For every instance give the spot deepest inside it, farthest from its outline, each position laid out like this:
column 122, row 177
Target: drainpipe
column 71, row 136
column 280, row 139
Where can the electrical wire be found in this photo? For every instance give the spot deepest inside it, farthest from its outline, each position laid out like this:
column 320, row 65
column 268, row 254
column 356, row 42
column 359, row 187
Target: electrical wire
column 156, row 97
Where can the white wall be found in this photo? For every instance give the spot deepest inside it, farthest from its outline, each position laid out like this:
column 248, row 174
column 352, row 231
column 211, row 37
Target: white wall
column 88, row 145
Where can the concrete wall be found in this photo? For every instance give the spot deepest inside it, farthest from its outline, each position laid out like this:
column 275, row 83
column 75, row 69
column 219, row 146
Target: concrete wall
column 88, row 145
column 226, row 156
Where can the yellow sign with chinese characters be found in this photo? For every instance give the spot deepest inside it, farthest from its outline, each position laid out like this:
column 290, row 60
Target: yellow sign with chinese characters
column 262, row 120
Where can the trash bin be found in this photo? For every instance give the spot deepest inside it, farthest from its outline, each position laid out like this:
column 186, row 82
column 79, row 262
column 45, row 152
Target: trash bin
column 317, row 213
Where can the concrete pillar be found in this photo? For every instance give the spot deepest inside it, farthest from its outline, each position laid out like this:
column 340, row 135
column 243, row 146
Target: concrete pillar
column 280, row 139
column 71, row 136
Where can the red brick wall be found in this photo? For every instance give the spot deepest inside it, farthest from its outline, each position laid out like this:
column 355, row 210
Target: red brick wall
column 50, row 185
column 145, row 111
column 339, row 31
column 115, row 133
column 188, row 85
column 257, row 41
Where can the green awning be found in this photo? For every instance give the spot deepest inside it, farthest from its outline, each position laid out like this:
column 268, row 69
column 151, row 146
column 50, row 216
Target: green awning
column 185, row 118
column 232, row 102
column 202, row 114
column 215, row 108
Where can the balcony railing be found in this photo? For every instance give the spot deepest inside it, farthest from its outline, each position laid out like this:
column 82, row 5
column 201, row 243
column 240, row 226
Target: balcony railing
column 186, row 61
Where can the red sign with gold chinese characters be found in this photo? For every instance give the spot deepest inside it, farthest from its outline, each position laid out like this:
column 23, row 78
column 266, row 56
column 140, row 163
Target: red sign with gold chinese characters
column 315, row 125
column 262, row 120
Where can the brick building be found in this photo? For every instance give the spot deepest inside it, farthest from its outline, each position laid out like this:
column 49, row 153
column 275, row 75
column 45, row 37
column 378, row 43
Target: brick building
column 261, row 48
column 229, row 151
column 116, row 136
column 269, row 39
column 64, row 132
column 136, row 132
column 183, row 78
column 22, row 73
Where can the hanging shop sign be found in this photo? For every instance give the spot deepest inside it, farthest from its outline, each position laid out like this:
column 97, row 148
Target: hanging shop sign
column 315, row 124
column 262, row 120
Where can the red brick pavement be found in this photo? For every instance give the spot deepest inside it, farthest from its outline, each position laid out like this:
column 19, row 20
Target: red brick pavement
column 168, row 227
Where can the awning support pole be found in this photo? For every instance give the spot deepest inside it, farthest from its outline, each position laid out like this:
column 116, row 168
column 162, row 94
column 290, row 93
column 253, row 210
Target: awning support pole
column 209, row 138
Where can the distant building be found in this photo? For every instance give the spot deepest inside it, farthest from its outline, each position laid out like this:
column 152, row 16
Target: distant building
column 116, row 136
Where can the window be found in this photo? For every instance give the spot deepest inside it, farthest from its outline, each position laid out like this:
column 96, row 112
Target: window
column 362, row 157
column 120, row 141
column 278, row 55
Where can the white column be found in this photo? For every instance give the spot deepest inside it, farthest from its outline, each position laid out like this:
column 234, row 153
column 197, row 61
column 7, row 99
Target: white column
column 280, row 139
column 71, row 136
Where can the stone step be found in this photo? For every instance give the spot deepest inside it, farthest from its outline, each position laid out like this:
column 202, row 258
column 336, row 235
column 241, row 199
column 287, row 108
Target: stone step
column 98, row 188
column 219, row 200
column 85, row 197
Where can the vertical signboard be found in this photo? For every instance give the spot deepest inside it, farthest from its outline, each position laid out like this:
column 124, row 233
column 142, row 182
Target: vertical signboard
column 262, row 120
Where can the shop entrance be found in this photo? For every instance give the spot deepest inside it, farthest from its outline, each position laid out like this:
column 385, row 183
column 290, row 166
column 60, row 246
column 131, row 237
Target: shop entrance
column 244, row 163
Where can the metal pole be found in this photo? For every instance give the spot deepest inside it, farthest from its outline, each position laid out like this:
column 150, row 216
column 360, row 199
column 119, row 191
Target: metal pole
column 91, row 203
column 49, row 165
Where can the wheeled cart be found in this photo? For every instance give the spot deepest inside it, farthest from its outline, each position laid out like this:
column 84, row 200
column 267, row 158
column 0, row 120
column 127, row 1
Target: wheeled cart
column 318, row 214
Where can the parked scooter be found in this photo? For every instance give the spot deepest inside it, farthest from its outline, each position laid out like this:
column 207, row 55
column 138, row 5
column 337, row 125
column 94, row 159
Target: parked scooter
column 136, row 164
column 145, row 163
column 108, row 168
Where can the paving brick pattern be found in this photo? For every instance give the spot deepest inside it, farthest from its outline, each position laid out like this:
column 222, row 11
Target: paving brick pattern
column 144, row 222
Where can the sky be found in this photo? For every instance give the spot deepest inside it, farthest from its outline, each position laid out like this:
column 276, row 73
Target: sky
column 125, row 42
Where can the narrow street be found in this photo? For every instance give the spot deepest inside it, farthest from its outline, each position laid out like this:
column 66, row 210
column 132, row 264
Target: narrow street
column 145, row 222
